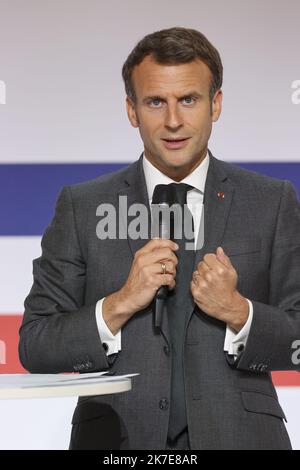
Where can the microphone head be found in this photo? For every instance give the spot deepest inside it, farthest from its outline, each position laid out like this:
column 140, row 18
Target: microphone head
column 162, row 194
column 162, row 219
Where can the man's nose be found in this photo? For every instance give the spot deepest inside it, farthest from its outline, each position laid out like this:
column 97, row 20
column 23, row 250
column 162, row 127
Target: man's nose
column 173, row 118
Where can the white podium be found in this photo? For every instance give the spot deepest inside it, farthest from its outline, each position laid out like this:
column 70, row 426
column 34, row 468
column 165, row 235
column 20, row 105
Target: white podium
column 36, row 409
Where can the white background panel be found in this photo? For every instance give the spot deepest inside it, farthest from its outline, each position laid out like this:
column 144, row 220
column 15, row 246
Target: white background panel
column 289, row 398
column 36, row 424
column 16, row 255
column 61, row 62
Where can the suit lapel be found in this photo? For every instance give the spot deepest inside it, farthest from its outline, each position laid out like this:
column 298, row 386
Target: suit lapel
column 136, row 192
column 218, row 195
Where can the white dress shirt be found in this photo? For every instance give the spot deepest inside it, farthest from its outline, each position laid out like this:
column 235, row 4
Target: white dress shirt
column 197, row 179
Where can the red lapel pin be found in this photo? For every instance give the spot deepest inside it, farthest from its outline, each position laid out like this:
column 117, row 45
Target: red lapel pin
column 221, row 195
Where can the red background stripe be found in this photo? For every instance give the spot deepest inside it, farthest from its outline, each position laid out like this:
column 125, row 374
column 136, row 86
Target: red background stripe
column 9, row 333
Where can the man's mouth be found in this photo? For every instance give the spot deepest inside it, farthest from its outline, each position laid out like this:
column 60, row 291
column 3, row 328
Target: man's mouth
column 177, row 139
column 175, row 143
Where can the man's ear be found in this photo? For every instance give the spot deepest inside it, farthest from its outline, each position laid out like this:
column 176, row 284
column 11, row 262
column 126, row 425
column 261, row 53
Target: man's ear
column 131, row 112
column 217, row 105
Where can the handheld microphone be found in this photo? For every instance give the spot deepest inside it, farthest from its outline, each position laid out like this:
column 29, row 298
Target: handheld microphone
column 162, row 227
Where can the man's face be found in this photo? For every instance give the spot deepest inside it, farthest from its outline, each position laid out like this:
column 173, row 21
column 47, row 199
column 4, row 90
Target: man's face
column 172, row 102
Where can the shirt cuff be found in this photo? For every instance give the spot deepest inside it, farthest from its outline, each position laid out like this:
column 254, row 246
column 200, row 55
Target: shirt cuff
column 110, row 342
column 234, row 342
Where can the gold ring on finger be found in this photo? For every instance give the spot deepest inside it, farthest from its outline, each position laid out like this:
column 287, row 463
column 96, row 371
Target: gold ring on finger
column 163, row 268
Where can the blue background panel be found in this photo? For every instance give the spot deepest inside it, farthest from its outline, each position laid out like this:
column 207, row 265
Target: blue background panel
column 28, row 191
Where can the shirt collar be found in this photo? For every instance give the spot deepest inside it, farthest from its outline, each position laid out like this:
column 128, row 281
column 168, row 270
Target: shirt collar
column 153, row 176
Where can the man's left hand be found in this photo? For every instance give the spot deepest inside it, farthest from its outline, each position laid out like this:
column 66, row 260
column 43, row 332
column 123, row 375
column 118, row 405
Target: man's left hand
column 214, row 289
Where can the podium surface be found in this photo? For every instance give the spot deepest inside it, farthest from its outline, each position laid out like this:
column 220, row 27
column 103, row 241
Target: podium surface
column 16, row 386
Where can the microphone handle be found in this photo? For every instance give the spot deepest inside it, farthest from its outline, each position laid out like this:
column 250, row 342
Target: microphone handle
column 160, row 299
column 165, row 231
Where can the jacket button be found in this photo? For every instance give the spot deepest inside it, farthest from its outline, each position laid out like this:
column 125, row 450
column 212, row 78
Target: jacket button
column 167, row 350
column 164, row 404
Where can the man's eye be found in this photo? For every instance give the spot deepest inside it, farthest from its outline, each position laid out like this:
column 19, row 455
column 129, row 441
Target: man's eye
column 189, row 99
column 155, row 102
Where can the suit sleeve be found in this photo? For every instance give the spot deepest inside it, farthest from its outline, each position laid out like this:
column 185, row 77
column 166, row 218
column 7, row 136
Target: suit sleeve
column 59, row 332
column 276, row 326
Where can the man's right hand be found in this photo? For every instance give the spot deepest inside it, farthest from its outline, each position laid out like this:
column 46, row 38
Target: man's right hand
column 144, row 279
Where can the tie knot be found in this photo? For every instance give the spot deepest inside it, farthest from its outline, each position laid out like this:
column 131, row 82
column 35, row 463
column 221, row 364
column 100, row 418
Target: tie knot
column 179, row 191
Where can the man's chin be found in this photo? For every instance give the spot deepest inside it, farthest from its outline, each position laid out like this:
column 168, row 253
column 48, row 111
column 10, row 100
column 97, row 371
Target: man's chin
column 177, row 162
column 169, row 160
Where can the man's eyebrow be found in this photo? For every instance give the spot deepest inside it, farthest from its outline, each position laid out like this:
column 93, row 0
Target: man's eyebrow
column 196, row 94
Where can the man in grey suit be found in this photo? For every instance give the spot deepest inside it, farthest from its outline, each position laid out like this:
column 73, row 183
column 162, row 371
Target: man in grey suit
column 204, row 378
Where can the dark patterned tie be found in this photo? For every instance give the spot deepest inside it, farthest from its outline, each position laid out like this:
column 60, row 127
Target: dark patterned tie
column 177, row 311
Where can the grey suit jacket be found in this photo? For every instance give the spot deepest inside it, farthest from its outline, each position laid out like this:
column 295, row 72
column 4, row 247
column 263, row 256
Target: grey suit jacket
column 230, row 404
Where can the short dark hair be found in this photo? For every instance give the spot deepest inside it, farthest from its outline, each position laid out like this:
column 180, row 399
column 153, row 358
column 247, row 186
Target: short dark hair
column 174, row 46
